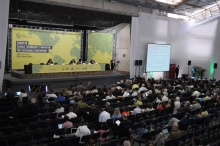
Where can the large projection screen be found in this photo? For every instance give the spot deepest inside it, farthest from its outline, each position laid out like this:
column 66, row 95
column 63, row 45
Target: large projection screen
column 158, row 57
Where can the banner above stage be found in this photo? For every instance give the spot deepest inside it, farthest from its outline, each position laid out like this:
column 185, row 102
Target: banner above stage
column 38, row 45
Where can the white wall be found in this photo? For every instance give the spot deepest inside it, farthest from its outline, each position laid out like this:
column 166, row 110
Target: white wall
column 123, row 46
column 198, row 43
column 4, row 10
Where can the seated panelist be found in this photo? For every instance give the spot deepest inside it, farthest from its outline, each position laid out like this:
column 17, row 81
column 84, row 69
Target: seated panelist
column 85, row 61
column 80, row 61
column 49, row 62
column 92, row 61
column 72, row 61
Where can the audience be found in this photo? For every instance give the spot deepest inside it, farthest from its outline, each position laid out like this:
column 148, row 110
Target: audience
column 169, row 94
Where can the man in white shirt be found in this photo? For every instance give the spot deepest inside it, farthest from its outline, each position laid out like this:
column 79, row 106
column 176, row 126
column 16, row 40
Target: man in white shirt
column 176, row 105
column 82, row 131
column 104, row 116
column 137, row 110
column 143, row 88
column 71, row 114
column 51, row 94
column 164, row 98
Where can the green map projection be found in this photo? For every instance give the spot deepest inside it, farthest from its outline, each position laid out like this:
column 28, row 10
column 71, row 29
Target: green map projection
column 65, row 46
column 100, row 47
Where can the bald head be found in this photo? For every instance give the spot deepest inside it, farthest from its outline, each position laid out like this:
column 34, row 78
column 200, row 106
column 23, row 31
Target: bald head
column 175, row 127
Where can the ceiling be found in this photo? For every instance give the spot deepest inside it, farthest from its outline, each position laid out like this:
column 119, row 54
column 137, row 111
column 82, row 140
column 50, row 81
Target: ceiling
column 194, row 9
column 29, row 12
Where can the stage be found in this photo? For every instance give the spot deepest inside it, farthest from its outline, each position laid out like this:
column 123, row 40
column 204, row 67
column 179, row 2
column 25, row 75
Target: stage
column 17, row 79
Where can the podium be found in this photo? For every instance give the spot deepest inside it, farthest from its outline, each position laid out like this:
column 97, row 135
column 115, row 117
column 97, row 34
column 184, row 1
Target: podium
column 172, row 71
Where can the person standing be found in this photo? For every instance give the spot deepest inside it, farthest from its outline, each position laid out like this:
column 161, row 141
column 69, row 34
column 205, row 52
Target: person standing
column 177, row 71
column 112, row 63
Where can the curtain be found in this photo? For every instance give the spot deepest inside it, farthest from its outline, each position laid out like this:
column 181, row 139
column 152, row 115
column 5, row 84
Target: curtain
column 4, row 12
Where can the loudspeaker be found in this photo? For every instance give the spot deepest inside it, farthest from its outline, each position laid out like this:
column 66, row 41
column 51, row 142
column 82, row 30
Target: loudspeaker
column 215, row 65
column 189, row 62
column 140, row 62
column 136, row 62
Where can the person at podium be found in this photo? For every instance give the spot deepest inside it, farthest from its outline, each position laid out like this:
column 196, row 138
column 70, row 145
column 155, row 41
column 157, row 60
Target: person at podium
column 73, row 61
column 49, row 62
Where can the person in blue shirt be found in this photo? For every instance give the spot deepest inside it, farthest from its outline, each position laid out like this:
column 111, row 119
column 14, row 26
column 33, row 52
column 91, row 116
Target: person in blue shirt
column 61, row 97
column 116, row 114
column 140, row 131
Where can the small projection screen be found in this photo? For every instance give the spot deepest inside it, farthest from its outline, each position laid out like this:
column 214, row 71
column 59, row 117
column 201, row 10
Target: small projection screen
column 158, row 57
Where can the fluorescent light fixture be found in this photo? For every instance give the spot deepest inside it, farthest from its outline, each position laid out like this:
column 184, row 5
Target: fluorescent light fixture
column 170, row 2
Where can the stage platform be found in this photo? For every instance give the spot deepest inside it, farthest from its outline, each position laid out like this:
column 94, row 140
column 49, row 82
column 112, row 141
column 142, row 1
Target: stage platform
column 57, row 83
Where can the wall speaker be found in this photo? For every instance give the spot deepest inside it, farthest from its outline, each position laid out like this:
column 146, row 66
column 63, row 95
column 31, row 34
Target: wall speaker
column 140, row 62
column 136, row 62
column 215, row 65
column 189, row 62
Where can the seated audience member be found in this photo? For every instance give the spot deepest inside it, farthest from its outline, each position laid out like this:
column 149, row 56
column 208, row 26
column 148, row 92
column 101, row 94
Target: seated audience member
column 176, row 105
column 10, row 95
column 40, row 101
column 104, row 128
column 94, row 90
column 69, row 91
column 174, row 134
column 67, row 123
column 125, row 111
column 108, row 108
column 116, row 114
column 203, row 113
column 49, row 62
column 61, row 97
column 143, row 88
column 137, row 110
column 92, row 61
column 81, row 105
column 207, row 97
column 161, row 106
column 196, row 93
column 110, row 95
column 135, row 92
column 149, row 107
column 140, row 131
column 195, row 141
column 51, row 94
column 126, row 143
column 59, row 108
column 82, row 131
column 164, row 98
column 186, row 107
column 93, row 113
column 125, row 93
column 104, row 116
column 71, row 114
column 73, row 61
column 196, row 105
column 185, row 119
column 123, row 127
column 22, row 94
column 138, row 100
